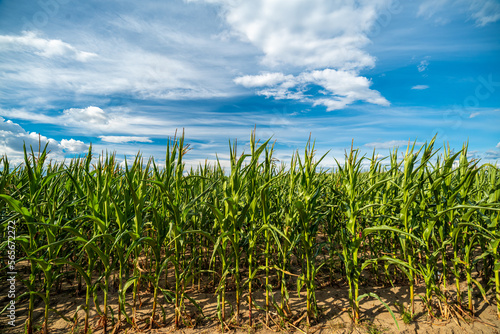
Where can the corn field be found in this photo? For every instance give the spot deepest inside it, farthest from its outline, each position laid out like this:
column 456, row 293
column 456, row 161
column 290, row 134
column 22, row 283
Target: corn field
column 428, row 216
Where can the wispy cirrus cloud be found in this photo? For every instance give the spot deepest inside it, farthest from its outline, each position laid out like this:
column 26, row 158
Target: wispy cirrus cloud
column 420, row 87
column 79, row 60
column 483, row 12
column 139, row 73
column 390, row 144
column 492, row 155
column 95, row 121
column 422, row 66
column 125, row 139
column 30, row 41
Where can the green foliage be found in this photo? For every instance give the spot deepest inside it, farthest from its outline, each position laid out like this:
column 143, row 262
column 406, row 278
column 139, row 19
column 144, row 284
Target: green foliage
column 259, row 224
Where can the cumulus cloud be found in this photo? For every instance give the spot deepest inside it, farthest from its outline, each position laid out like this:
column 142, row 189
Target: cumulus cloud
column 420, row 87
column 498, row 145
column 92, row 115
column 13, row 137
column 332, row 36
column 125, row 139
column 340, row 88
column 322, row 39
column 73, row 145
column 49, row 48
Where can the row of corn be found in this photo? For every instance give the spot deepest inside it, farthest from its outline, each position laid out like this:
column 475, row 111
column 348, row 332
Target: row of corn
column 428, row 216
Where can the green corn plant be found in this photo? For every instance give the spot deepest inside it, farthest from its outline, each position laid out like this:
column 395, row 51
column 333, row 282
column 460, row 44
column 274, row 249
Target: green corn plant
column 82, row 176
column 353, row 193
column 331, row 227
column 434, row 232
column 159, row 237
column 273, row 236
column 31, row 213
column 6, row 177
column 489, row 231
column 256, row 187
column 307, row 203
column 287, row 216
column 252, row 194
column 122, row 208
column 136, row 177
column 179, row 203
column 101, row 214
column 47, row 255
column 92, row 223
column 230, row 221
column 282, row 228
column 458, row 196
column 99, row 184
column 170, row 184
column 411, row 180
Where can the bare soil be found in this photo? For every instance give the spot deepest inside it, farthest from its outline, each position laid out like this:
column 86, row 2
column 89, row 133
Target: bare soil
column 332, row 300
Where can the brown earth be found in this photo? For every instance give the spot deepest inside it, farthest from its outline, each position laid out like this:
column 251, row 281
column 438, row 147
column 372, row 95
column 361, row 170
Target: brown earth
column 333, row 302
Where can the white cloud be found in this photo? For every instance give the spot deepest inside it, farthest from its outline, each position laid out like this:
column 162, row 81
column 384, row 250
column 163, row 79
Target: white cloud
column 73, row 145
column 13, row 137
column 331, row 36
column 340, row 87
column 498, row 145
column 474, row 114
column 388, row 144
column 92, row 115
column 125, row 139
column 94, row 121
column 265, row 79
column 483, row 12
column 492, row 154
column 423, row 65
column 189, row 63
column 173, row 66
column 21, row 113
column 44, row 47
column 323, row 39
column 420, row 87
column 346, row 87
column 428, row 8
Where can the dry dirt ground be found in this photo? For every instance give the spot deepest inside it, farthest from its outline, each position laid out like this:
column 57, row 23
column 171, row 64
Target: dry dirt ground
column 333, row 302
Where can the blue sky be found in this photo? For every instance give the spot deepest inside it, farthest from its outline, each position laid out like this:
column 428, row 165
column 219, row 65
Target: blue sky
column 126, row 75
